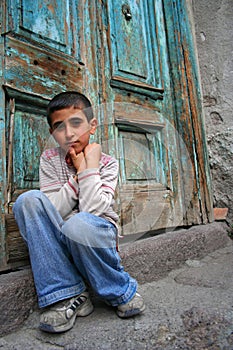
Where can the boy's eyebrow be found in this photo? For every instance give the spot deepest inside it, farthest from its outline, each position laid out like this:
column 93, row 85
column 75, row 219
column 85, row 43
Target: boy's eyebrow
column 75, row 117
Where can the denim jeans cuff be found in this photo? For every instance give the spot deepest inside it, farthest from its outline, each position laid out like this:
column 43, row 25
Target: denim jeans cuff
column 129, row 294
column 62, row 294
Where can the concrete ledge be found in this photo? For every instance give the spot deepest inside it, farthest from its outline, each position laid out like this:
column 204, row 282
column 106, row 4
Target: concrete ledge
column 153, row 258
column 147, row 260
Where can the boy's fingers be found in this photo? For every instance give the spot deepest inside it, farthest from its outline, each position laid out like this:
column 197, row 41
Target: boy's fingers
column 93, row 147
column 72, row 152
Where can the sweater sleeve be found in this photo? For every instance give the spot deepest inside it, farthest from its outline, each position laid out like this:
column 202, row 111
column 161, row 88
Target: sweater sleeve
column 63, row 197
column 97, row 188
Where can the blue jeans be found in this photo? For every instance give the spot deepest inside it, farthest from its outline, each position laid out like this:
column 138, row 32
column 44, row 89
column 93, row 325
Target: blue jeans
column 65, row 254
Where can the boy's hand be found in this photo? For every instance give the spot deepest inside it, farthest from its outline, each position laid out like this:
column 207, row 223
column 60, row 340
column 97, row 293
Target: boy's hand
column 78, row 160
column 89, row 158
column 92, row 154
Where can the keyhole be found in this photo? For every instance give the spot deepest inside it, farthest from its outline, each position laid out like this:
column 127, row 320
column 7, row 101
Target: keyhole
column 126, row 11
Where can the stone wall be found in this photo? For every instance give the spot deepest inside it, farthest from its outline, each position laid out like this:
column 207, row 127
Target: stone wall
column 213, row 21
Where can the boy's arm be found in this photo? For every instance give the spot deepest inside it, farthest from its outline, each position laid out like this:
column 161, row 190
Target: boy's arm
column 63, row 197
column 96, row 191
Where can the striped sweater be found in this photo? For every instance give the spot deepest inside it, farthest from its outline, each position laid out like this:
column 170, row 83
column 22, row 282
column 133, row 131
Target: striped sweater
column 93, row 193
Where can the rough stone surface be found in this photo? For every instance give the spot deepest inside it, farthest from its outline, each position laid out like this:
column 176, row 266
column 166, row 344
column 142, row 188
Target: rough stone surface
column 17, row 299
column 214, row 32
column 150, row 259
column 190, row 309
column 146, row 259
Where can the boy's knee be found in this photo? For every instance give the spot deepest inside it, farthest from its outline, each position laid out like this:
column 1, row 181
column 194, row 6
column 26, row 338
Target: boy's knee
column 27, row 199
column 89, row 230
column 73, row 228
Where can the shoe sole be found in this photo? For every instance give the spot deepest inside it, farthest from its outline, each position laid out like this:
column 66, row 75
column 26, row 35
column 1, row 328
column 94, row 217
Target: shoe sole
column 86, row 310
column 130, row 313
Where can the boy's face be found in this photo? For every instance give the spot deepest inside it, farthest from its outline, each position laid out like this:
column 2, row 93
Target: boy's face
column 70, row 128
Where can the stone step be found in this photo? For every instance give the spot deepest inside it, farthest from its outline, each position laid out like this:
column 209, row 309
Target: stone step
column 146, row 259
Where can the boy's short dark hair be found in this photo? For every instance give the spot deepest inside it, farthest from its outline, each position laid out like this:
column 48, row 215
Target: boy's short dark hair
column 68, row 99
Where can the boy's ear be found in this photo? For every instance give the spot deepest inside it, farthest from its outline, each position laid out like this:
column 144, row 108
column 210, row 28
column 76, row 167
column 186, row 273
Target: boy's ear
column 93, row 125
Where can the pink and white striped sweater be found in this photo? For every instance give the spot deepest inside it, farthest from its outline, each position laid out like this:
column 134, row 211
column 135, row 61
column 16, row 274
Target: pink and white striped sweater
column 93, row 193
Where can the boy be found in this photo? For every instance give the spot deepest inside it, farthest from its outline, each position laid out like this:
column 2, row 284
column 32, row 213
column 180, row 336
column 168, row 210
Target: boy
column 70, row 226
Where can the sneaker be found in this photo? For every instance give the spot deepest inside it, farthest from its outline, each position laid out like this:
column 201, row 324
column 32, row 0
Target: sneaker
column 132, row 308
column 61, row 316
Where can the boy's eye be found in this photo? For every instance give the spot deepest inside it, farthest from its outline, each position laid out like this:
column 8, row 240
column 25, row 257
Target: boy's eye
column 75, row 122
column 59, row 126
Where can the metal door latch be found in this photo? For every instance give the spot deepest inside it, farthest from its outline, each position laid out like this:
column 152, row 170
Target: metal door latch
column 126, row 12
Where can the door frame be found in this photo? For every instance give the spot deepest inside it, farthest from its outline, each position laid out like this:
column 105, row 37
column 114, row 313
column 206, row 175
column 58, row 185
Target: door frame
column 189, row 110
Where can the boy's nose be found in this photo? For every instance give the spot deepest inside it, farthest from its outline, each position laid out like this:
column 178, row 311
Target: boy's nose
column 69, row 132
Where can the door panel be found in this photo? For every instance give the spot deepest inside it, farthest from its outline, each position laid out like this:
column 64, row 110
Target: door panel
column 52, row 23
column 28, row 144
column 35, row 70
column 140, row 168
column 134, row 50
column 42, row 45
column 26, row 136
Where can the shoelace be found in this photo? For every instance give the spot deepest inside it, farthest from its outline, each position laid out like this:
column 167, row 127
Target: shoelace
column 74, row 305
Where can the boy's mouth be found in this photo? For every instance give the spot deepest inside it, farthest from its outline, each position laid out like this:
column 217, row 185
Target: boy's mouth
column 70, row 144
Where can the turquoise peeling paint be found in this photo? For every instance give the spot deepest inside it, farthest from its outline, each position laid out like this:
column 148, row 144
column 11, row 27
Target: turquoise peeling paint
column 120, row 53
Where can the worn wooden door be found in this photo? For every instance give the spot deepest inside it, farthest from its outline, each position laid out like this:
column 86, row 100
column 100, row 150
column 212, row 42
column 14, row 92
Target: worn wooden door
column 141, row 110
column 140, row 57
column 130, row 57
column 43, row 52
